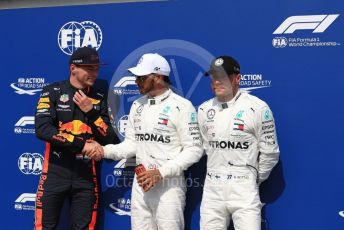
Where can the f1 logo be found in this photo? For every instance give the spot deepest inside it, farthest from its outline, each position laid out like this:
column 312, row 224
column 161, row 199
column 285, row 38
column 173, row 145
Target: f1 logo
column 27, row 120
column 317, row 23
column 25, row 197
column 125, row 81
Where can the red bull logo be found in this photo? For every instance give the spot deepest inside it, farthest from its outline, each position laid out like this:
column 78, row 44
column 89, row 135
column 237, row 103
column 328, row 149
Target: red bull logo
column 102, row 126
column 67, row 136
column 75, row 127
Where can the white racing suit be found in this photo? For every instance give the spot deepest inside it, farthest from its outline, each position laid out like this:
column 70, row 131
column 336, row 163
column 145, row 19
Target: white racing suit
column 163, row 133
column 240, row 140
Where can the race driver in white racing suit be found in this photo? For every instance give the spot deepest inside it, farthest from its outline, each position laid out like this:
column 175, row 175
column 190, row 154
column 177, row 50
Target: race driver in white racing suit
column 239, row 137
column 163, row 133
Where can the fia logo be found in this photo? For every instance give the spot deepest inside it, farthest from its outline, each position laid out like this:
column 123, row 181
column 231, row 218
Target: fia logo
column 279, row 42
column 30, row 163
column 73, row 35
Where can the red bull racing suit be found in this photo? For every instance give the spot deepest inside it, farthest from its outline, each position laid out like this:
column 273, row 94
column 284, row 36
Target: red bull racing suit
column 67, row 173
column 239, row 137
column 163, row 133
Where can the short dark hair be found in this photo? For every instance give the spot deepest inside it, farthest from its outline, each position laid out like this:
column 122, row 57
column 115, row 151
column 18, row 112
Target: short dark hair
column 166, row 79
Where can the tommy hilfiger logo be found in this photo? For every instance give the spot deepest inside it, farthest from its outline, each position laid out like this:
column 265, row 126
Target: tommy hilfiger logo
column 238, row 126
column 163, row 121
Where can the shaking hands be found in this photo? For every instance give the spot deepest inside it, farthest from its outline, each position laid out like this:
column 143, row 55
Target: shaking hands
column 93, row 150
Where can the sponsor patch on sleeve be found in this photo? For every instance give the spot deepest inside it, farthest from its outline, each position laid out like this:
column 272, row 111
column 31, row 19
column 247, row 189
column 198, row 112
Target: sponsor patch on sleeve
column 43, row 106
column 94, row 101
column 44, row 100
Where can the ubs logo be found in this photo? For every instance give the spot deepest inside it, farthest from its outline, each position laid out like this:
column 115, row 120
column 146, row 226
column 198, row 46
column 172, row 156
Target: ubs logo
column 73, row 35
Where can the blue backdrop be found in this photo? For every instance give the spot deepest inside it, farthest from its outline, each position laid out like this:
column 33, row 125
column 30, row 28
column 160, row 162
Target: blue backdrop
column 291, row 56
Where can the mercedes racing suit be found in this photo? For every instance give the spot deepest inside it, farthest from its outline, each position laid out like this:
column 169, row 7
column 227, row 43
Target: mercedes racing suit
column 66, row 171
column 163, row 133
column 240, row 140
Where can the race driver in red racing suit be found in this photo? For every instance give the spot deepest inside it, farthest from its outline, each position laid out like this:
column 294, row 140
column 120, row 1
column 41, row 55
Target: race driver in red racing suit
column 70, row 114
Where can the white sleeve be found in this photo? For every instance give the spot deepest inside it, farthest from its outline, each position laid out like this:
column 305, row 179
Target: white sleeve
column 267, row 143
column 125, row 149
column 190, row 139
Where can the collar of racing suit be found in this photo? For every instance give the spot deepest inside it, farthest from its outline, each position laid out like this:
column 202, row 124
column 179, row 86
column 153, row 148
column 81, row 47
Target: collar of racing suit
column 225, row 105
column 158, row 99
column 85, row 90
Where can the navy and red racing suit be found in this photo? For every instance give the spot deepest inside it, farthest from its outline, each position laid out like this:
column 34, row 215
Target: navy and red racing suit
column 67, row 173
